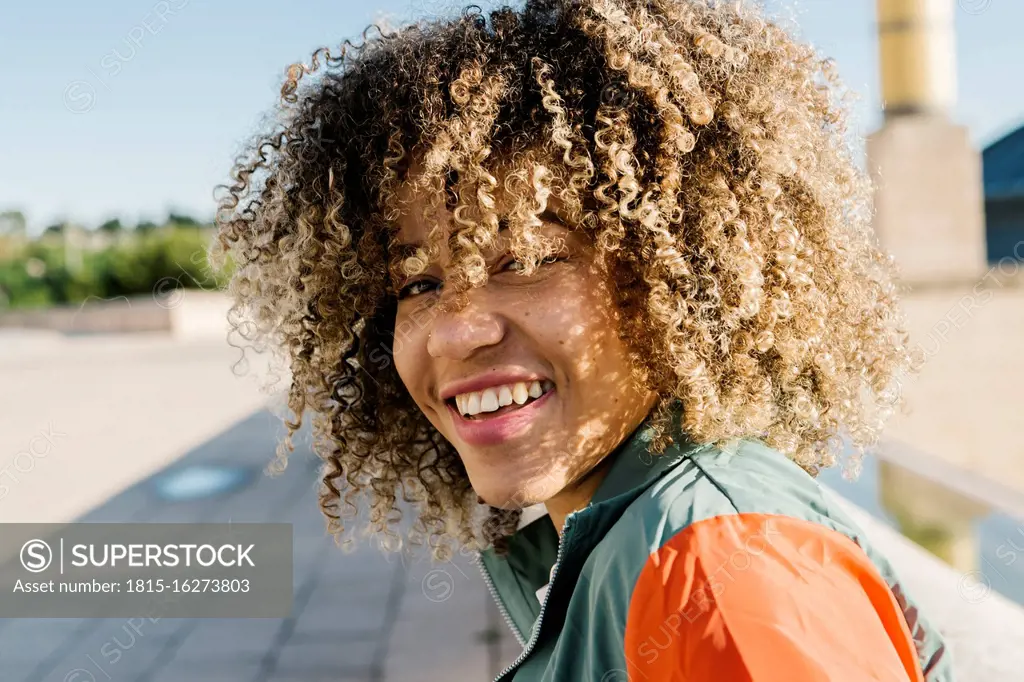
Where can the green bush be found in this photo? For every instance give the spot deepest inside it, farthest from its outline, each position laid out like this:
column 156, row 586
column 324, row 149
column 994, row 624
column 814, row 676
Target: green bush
column 133, row 264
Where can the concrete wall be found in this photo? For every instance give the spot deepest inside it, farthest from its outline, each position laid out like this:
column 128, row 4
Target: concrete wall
column 967, row 403
column 200, row 315
column 119, row 315
column 928, row 200
column 183, row 313
column 983, row 630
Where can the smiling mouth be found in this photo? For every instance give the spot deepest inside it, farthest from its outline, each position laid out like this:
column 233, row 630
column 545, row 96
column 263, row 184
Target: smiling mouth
column 469, row 407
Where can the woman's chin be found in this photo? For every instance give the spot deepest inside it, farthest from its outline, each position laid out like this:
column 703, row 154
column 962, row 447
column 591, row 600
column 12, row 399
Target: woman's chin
column 506, row 494
column 506, row 498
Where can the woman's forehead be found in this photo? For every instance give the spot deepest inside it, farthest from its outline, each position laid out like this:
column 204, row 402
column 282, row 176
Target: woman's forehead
column 422, row 201
column 415, row 228
column 417, row 214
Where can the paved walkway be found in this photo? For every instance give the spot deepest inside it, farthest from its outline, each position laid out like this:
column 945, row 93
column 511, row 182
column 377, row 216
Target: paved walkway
column 89, row 416
column 86, row 423
column 358, row 616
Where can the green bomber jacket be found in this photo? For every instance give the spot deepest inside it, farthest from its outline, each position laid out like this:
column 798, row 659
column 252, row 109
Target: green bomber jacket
column 707, row 563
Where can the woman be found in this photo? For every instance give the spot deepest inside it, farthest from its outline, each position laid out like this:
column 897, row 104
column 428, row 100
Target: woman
column 612, row 257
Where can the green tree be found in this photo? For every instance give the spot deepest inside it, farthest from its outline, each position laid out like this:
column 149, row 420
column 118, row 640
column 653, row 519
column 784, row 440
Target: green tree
column 12, row 223
column 44, row 272
column 181, row 219
column 112, row 225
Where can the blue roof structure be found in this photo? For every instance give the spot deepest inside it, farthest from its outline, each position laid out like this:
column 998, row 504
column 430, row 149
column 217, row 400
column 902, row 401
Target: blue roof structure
column 1003, row 163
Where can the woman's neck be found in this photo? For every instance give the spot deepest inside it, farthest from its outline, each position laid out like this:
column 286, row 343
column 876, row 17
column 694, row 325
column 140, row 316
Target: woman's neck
column 577, row 495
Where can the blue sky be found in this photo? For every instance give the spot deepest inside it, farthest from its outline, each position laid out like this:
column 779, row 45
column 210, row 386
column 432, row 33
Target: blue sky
column 131, row 108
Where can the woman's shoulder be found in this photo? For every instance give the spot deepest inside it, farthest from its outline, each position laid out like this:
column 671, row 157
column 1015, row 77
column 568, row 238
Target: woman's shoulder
column 741, row 478
column 737, row 557
column 743, row 492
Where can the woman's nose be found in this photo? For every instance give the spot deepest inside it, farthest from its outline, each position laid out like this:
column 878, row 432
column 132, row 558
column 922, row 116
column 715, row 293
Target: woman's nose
column 457, row 335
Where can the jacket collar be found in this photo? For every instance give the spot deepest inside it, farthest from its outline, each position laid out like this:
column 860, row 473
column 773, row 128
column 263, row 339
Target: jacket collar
column 533, row 548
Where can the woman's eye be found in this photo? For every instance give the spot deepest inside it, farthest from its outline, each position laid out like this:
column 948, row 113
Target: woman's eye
column 420, row 286
column 423, row 286
column 544, row 261
column 512, row 265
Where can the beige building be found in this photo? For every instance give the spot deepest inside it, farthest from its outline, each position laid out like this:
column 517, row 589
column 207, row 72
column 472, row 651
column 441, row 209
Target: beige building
column 966, row 313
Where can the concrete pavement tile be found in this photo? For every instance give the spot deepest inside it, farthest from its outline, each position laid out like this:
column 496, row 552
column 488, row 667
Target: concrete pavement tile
column 218, row 660
column 349, row 595
column 31, row 639
column 422, row 645
column 324, row 656
column 352, row 575
column 118, row 648
column 17, row 668
column 309, row 547
column 353, row 619
column 363, row 587
column 225, row 639
column 93, row 643
column 248, row 443
column 445, row 594
column 131, row 505
column 237, row 671
column 363, row 560
column 474, row 643
column 116, row 666
column 262, row 498
column 439, row 662
column 350, row 633
column 334, row 675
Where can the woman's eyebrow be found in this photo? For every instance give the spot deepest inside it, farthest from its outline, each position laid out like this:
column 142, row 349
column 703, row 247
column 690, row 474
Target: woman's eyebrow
column 403, row 250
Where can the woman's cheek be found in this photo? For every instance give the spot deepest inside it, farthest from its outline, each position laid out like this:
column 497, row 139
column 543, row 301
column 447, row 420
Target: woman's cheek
column 556, row 313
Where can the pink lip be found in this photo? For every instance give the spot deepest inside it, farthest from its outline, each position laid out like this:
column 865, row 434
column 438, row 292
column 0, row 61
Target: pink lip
column 497, row 429
column 497, row 377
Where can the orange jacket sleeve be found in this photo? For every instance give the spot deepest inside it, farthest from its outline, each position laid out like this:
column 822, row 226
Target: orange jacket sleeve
column 765, row 598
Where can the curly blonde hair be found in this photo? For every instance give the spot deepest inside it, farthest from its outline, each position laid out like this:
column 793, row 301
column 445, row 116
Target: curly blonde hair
column 698, row 146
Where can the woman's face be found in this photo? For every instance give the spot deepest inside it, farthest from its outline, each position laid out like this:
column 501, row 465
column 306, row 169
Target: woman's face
column 555, row 331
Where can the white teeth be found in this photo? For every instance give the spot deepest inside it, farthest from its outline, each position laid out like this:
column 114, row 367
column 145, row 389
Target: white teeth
column 535, row 390
column 496, row 397
column 489, row 401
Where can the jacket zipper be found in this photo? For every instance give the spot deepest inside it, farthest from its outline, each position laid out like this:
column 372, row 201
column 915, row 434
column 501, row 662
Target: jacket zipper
column 535, row 634
column 497, row 600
